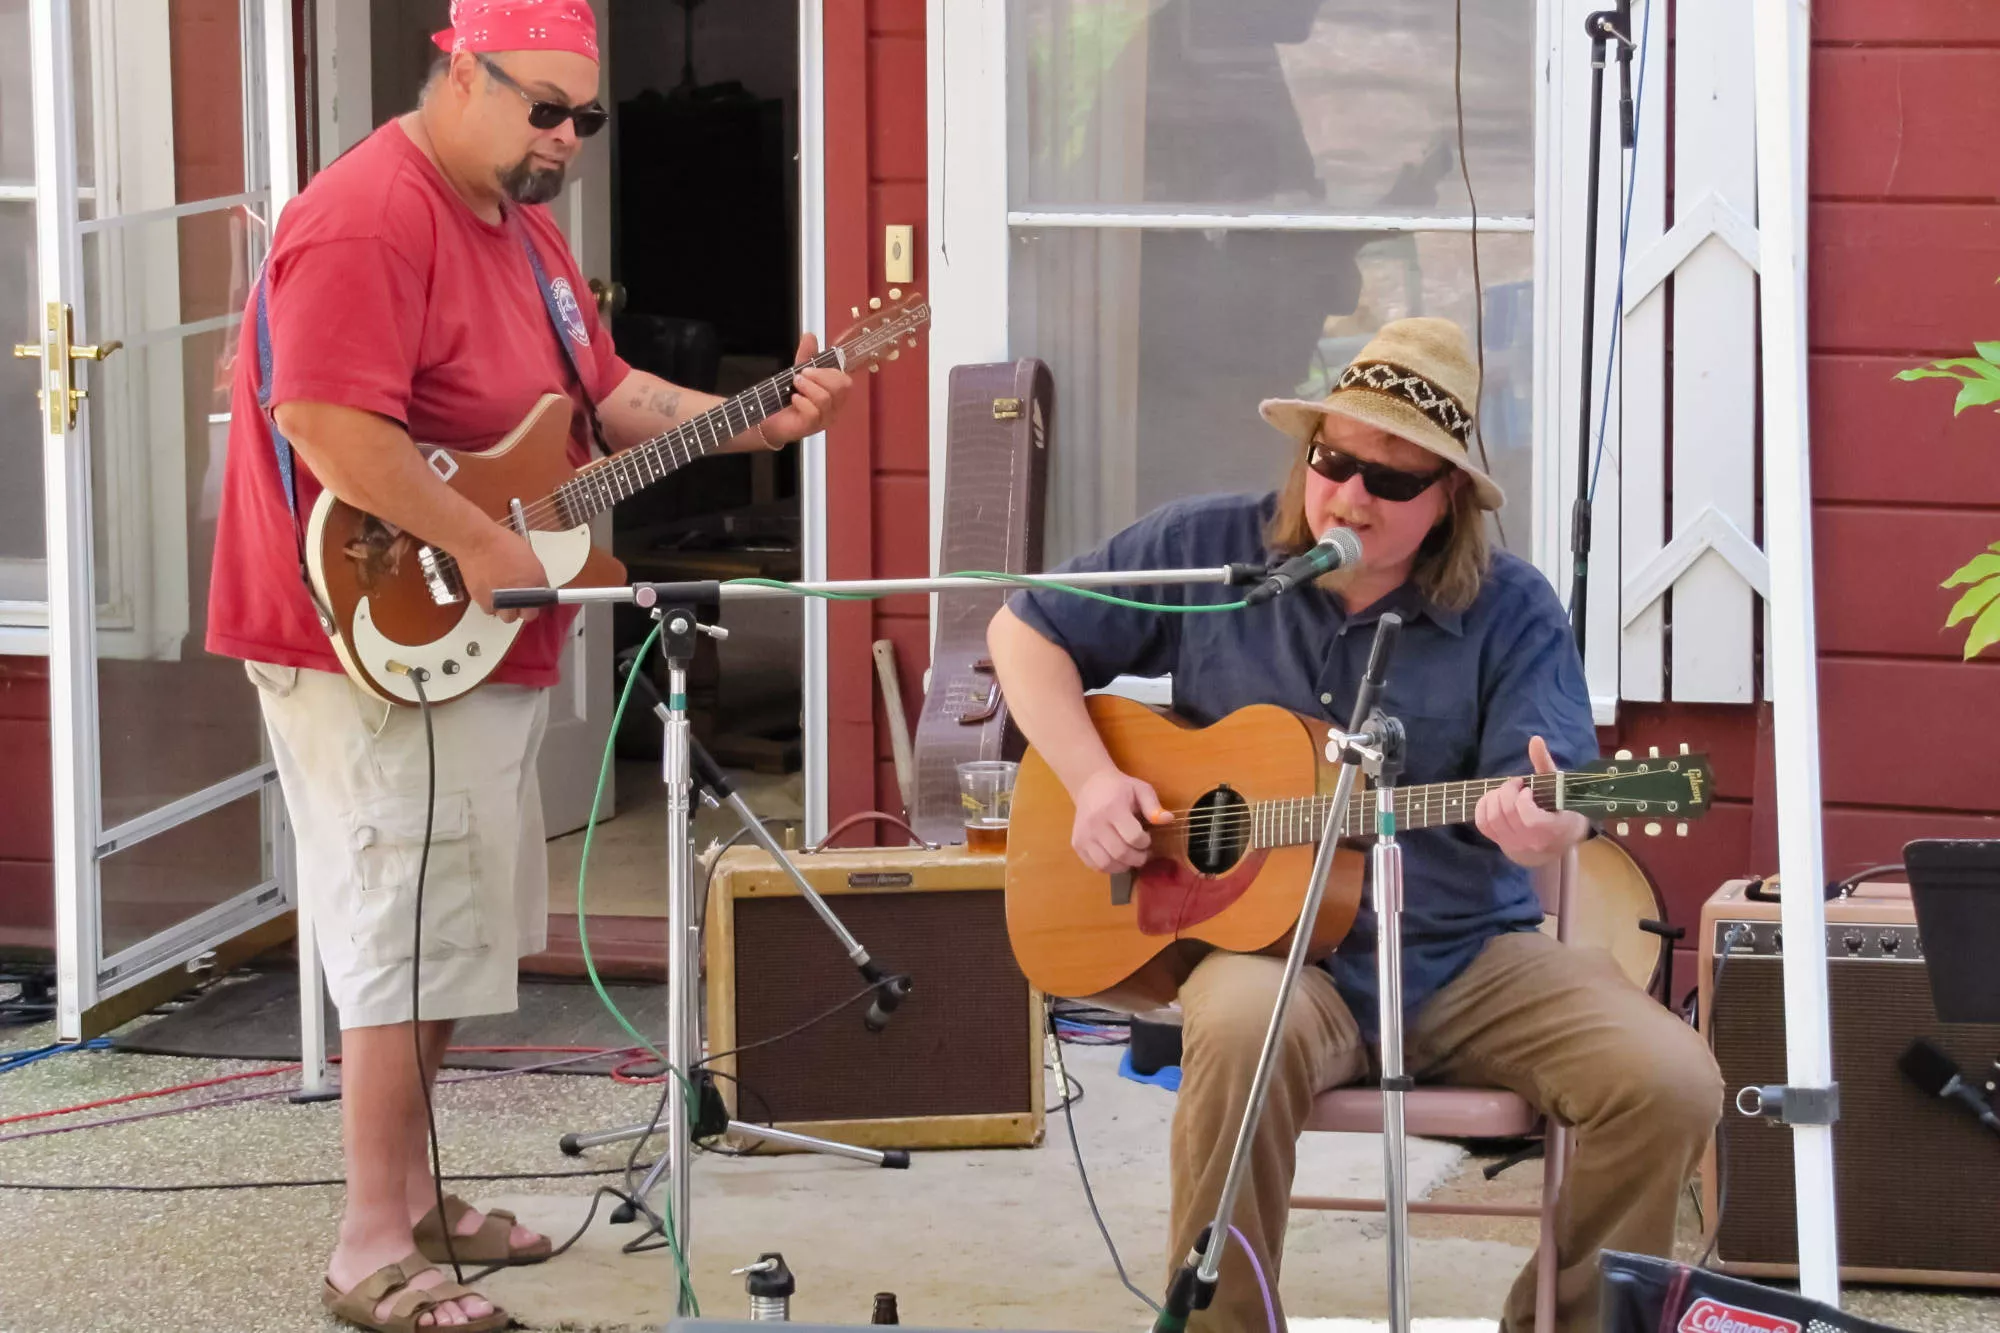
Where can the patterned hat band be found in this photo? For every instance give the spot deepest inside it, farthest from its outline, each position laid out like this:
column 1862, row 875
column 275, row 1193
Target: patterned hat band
column 1441, row 408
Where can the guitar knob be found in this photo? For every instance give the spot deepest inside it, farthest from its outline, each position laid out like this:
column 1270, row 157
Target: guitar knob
column 472, row 649
column 450, row 667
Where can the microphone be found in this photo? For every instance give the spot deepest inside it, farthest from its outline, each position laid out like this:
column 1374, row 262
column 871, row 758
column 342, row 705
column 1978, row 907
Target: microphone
column 1938, row 1074
column 889, row 993
column 1338, row 549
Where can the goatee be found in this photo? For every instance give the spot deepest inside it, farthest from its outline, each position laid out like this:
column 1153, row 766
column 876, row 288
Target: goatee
column 525, row 183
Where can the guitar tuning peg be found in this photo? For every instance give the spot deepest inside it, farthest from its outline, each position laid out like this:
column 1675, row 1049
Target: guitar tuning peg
column 913, row 342
column 1623, row 828
column 1681, row 829
column 874, row 303
column 1684, row 747
column 895, row 352
column 874, row 367
column 1652, row 752
column 1653, row 829
column 1622, row 754
column 895, row 293
column 855, row 311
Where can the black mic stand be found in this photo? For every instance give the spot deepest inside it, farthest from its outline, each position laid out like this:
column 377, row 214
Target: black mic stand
column 1193, row 1286
column 1604, row 26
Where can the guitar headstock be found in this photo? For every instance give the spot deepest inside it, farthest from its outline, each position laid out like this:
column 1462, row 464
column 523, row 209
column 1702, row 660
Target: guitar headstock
column 889, row 325
column 1644, row 792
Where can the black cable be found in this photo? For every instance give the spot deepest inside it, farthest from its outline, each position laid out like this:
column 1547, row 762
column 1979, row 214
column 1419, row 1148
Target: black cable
column 850, row 1001
column 1729, row 938
column 1090, row 1196
column 416, row 677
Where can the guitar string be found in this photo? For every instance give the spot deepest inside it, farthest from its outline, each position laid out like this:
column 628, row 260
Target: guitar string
column 628, row 466
column 1419, row 798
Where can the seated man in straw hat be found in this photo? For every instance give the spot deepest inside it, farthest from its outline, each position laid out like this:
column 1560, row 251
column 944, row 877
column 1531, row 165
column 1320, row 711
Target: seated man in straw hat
column 1487, row 683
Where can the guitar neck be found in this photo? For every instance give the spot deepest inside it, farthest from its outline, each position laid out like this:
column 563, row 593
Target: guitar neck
column 607, row 481
column 1302, row 819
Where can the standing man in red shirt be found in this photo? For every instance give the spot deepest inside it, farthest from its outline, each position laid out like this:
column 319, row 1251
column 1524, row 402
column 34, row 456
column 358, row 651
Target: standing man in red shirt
column 418, row 291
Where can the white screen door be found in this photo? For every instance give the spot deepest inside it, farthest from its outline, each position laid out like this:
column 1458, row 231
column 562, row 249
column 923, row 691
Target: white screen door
column 157, row 141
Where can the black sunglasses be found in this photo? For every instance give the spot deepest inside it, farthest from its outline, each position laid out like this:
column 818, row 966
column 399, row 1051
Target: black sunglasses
column 589, row 118
column 1381, row 481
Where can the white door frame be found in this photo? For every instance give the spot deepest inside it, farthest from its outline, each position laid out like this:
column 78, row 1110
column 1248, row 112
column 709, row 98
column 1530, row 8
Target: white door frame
column 84, row 977
column 812, row 458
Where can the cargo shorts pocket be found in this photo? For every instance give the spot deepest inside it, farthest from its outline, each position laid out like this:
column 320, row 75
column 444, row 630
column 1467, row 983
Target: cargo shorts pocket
column 387, row 837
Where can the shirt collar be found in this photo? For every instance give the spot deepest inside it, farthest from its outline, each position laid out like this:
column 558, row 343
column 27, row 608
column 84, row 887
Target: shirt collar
column 1408, row 602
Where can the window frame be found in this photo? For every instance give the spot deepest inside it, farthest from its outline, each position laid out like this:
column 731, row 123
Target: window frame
column 973, row 224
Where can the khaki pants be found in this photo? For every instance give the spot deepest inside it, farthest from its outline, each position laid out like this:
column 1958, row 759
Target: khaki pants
column 1560, row 1026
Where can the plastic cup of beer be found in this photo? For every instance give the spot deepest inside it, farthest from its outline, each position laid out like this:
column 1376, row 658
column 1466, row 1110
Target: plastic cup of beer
column 986, row 790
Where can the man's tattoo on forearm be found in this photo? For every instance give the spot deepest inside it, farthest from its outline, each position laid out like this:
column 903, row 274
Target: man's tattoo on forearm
column 664, row 402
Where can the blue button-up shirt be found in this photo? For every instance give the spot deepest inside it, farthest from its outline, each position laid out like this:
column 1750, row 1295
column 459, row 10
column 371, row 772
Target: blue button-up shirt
column 1470, row 687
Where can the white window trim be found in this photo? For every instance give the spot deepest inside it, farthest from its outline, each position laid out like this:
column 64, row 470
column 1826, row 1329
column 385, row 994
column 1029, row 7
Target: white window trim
column 971, row 225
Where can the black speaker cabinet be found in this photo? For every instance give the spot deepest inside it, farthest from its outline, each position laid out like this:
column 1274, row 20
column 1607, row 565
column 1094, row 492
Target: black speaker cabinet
column 1916, row 1179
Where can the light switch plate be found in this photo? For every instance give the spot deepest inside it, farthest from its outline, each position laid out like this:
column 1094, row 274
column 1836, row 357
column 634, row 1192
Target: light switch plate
column 898, row 259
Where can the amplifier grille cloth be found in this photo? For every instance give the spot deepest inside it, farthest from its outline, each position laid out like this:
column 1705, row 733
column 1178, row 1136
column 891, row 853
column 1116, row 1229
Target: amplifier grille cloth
column 1917, row 1181
column 957, row 1046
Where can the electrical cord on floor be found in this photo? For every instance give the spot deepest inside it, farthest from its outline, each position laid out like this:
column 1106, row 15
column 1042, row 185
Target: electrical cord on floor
column 1090, row 1196
column 1735, row 932
column 416, row 678
column 206, row 1186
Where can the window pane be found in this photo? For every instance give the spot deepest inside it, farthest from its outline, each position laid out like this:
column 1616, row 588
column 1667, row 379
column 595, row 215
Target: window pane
column 21, row 530
column 1162, row 344
column 158, row 883
column 17, row 126
column 1342, row 106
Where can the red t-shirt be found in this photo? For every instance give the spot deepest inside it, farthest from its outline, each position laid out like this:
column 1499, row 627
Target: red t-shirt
column 387, row 293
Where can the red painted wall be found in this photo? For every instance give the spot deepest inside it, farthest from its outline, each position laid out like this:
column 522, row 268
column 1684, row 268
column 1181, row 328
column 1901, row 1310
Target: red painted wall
column 878, row 470
column 1904, row 231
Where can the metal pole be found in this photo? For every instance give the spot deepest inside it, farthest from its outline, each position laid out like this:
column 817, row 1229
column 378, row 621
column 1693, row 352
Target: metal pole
column 729, row 592
column 1781, row 28
column 1386, row 869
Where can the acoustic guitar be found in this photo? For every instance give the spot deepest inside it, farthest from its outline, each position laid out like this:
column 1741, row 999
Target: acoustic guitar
column 1250, row 796
column 396, row 601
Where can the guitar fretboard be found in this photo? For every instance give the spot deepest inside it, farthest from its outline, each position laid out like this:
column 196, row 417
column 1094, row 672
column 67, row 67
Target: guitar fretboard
column 607, row 481
column 1301, row 819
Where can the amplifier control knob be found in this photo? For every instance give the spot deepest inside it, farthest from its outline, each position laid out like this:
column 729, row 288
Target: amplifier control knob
column 1853, row 939
column 1890, row 941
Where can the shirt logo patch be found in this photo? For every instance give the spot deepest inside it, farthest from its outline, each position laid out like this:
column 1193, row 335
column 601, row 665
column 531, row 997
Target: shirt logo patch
column 571, row 312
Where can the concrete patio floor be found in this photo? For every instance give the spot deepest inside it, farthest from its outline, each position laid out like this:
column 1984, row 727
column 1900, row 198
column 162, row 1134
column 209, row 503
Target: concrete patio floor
column 994, row 1239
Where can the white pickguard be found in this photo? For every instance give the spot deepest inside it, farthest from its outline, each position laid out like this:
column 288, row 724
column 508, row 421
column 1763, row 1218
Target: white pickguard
column 460, row 660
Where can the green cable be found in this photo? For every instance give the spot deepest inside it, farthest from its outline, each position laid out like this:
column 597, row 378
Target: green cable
column 590, row 964
column 995, row 576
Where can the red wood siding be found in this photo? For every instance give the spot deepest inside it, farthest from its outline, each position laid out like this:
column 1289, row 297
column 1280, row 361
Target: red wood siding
column 878, row 468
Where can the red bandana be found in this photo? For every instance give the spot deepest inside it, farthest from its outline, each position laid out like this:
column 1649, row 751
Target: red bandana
column 520, row 25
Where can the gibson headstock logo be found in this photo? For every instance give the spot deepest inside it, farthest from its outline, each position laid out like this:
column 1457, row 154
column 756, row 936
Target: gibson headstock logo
column 1694, row 785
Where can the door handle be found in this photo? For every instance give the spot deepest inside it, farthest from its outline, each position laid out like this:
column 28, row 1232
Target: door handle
column 610, row 297
column 59, row 395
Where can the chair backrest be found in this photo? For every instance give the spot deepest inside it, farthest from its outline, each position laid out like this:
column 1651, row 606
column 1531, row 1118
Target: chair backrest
column 1555, row 884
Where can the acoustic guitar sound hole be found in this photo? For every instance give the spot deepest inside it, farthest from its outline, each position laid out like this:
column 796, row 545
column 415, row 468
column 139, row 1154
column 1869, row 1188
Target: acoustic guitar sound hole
column 1218, row 831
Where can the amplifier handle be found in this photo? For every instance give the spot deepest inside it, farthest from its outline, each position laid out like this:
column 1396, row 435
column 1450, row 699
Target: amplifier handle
column 862, row 818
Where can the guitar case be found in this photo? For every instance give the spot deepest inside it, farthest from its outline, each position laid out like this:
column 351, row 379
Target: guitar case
column 995, row 484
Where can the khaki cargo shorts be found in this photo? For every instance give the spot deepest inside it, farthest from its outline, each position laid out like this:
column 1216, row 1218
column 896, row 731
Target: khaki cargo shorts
column 354, row 772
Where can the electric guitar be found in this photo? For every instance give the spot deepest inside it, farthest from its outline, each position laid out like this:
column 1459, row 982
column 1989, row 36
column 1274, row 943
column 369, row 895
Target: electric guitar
column 397, row 603
column 1250, row 796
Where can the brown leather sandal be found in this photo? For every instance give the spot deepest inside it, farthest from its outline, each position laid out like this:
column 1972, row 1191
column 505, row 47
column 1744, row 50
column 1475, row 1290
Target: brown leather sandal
column 357, row 1305
column 488, row 1245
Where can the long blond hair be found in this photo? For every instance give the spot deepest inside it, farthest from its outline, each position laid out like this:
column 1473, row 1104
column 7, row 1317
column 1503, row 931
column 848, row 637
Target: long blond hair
column 1451, row 564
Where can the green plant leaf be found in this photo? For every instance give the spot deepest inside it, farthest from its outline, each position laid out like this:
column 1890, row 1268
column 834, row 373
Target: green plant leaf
column 1973, row 570
column 1991, row 351
column 1985, row 632
column 1976, row 395
column 1975, row 600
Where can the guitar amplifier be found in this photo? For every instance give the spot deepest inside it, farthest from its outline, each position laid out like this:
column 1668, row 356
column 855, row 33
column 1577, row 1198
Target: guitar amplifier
column 959, row 1064
column 1916, row 1179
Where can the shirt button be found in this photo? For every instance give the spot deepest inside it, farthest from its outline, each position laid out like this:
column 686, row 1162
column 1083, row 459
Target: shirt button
column 1326, row 698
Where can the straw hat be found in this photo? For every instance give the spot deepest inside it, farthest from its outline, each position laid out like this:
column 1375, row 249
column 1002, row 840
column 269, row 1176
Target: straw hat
column 1416, row 380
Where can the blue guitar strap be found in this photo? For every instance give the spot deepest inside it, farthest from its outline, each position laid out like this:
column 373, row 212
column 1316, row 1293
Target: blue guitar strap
column 552, row 304
column 282, row 447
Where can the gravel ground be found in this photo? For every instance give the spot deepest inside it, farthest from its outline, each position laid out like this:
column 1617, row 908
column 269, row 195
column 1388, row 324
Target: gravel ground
column 997, row 1239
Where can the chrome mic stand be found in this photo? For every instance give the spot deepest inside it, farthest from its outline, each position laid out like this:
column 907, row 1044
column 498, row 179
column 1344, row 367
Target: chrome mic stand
column 1385, row 866
column 673, row 604
column 1194, row 1285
